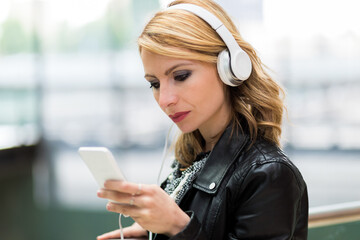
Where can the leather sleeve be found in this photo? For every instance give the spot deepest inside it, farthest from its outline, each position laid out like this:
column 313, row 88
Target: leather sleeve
column 269, row 203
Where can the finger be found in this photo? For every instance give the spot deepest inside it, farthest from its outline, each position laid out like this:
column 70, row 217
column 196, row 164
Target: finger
column 115, row 196
column 123, row 198
column 113, row 234
column 129, row 210
column 134, row 231
column 123, row 186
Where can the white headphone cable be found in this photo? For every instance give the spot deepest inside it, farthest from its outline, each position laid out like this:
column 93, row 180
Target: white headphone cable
column 121, row 228
column 158, row 179
column 164, row 153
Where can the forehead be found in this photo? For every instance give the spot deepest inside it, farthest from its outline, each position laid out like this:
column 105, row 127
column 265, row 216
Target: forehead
column 167, row 53
column 147, row 55
column 156, row 62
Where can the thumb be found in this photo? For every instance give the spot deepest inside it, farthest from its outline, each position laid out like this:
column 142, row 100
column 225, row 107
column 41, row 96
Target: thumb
column 109, row 235
column 135, row 231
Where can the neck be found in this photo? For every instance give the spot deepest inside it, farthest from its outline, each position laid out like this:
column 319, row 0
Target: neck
column 210, row 144
column 212, row 130
column 211, row 137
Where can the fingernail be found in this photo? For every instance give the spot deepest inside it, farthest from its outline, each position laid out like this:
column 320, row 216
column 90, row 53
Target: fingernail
column 106, row 183
column 108, row 206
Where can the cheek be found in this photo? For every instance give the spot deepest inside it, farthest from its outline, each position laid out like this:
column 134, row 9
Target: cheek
column 156, row 96
column 213, row 95
column 213, row 90
column 213, row 99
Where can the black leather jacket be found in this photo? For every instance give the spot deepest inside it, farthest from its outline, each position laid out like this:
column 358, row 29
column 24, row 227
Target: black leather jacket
column 246, row 193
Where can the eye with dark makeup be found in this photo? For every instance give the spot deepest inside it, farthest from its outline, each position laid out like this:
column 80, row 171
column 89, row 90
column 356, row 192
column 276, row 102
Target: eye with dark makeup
column 179, row 76
column 154, row 84
column 182, row 75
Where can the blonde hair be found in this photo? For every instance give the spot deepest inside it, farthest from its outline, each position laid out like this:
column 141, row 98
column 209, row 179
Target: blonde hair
column 258, row 100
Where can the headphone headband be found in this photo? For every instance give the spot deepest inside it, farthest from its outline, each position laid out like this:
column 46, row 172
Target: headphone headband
column 239, row 59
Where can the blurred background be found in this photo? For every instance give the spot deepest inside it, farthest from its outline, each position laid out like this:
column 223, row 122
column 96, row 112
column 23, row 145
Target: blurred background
column 71, row 76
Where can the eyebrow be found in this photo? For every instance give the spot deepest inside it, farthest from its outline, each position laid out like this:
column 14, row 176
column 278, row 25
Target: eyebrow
column 168, row 71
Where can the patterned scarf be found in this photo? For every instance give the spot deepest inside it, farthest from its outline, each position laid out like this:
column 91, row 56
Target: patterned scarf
column 179, row 182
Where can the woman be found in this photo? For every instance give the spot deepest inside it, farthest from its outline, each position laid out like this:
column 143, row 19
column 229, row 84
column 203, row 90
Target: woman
column 230, row 180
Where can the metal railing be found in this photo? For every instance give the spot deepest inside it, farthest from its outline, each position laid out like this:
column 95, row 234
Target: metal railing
column 334, row 214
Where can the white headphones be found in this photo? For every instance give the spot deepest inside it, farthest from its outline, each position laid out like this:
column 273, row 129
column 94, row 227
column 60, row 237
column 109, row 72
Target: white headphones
column 233, row 64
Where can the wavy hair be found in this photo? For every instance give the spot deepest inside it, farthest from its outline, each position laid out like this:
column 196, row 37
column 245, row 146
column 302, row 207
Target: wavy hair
column 258, row 100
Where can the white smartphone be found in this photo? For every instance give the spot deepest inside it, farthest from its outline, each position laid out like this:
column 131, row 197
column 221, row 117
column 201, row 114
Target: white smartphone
column 101, row 164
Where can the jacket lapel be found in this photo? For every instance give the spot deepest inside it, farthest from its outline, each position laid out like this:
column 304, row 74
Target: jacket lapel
column 220, row 159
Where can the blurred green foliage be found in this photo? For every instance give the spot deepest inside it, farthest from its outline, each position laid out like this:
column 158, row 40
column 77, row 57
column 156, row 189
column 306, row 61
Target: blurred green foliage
column 109, row 32
column 14, row 38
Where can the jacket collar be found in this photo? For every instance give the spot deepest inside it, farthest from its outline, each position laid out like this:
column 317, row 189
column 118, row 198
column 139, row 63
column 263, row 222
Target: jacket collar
column 225, row 152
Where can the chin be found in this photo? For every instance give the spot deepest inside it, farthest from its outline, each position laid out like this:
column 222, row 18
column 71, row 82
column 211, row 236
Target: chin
column 186, row 129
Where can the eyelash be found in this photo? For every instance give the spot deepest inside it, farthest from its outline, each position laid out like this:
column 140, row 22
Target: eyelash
column 182, row 76
column 155, row 85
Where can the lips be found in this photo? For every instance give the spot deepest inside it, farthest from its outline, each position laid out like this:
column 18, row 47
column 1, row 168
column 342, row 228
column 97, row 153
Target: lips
column 179, row 116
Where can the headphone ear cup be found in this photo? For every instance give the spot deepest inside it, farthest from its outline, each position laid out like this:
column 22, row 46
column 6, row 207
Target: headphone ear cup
column 224, row 69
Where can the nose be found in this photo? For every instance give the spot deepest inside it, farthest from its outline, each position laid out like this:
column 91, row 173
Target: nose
column 167, row 96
